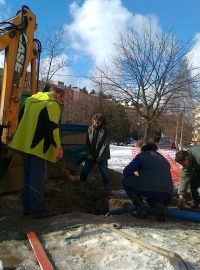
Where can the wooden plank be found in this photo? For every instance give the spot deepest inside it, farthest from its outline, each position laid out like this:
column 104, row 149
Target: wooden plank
column 176, row 261
column 39, row 252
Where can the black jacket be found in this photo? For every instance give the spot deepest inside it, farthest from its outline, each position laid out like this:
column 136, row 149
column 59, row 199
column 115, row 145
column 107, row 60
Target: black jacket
column 99, row 148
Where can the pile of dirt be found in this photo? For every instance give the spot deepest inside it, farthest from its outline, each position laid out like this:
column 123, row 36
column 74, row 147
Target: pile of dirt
column 83, row 243
column 65, row 195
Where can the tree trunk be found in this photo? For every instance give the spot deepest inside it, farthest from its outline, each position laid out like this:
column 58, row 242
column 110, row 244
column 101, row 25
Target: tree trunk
column 147, row 133
column 177, row 124
column 181, row 138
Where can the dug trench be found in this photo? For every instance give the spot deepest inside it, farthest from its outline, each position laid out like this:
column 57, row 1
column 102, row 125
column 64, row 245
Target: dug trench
column 78, row 226
column 63, row 196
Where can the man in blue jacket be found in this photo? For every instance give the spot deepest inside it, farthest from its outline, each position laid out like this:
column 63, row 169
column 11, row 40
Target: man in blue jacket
column 153, row 182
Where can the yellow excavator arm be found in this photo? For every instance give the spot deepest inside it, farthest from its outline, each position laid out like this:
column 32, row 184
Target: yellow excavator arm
column 21, row 49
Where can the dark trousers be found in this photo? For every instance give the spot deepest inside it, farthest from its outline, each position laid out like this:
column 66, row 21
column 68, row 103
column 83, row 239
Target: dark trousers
column 103, row 168
column 132, row 191
column 33, row 187
column 194, row 185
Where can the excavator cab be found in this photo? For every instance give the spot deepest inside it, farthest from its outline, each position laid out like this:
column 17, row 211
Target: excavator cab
column 21, row 50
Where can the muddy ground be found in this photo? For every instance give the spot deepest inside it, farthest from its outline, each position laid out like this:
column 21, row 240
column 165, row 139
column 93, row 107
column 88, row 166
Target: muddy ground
column 63, row 196
column 85, row 208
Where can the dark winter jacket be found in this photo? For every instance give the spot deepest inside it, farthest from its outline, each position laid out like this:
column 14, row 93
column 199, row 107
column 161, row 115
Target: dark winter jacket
column 154, row 173
column 98, row 143
column 186, row 173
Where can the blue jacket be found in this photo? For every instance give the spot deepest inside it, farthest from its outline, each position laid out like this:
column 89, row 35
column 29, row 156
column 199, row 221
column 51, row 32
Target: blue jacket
column 154, row 172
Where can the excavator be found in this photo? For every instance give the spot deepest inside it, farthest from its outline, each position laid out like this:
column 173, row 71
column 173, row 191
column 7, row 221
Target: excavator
column 22, row 51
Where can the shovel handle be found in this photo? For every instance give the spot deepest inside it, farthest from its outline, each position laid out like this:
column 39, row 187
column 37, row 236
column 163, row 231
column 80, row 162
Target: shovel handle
column 173, row 257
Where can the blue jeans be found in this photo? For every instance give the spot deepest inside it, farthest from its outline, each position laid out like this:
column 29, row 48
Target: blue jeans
column 33, row 186
column 103, row 168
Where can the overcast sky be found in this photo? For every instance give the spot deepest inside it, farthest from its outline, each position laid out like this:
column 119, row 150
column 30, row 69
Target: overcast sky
column 91, row 26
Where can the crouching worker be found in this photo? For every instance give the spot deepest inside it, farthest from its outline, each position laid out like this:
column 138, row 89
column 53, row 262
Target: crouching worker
column 98, row 149
column 154, row 181
column 190, row 175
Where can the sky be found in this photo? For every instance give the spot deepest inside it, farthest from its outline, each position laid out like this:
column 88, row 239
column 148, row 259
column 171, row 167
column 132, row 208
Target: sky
column 92, row 26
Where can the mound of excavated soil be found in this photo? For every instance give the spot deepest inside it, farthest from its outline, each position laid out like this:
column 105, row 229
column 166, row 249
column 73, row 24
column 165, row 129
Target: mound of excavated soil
column 86, row 245
column 63, row 195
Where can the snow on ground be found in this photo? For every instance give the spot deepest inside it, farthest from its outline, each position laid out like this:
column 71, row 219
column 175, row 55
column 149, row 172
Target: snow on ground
column 93, row 248
column 120, row 157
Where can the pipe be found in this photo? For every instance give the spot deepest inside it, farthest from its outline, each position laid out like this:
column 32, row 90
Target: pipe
column 169, row 212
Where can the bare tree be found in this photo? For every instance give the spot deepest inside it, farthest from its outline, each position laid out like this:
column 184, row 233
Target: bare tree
column 53, row 50
column 147, row 70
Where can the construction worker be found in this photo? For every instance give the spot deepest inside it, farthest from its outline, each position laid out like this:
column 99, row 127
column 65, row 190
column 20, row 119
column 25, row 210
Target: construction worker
column 98, row 149
column 38, row 138
column 154, row 181
column 190, row 175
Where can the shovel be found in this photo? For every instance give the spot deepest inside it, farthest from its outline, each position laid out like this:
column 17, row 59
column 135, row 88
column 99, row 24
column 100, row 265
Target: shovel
column 176, row 261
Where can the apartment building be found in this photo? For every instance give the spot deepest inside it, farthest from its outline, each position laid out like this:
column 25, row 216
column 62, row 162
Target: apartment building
column 79, row 106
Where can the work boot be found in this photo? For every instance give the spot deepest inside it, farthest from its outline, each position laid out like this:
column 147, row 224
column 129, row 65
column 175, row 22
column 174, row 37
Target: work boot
column 160, row 211
column 194, row 204
column 140, row 211
column 151, row 203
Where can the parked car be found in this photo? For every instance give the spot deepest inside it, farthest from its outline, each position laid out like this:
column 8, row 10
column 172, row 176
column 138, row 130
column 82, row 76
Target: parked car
column 127, row 142
column 130, row 142
column 166, row 142
column 173, row 146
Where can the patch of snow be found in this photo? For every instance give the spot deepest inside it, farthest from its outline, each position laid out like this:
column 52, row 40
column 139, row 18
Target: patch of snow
column 120, row 157
column 1, row 265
